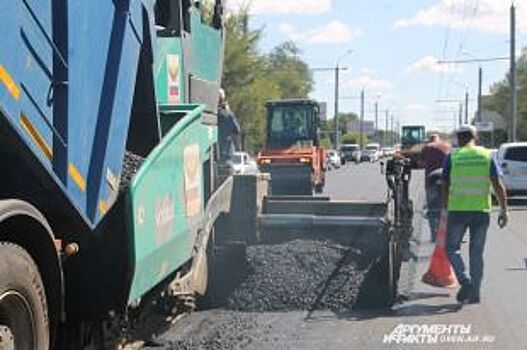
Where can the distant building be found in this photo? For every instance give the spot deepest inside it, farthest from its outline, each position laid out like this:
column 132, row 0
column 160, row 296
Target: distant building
column 490, row 116
column 492, row 129
column 368, row 127
column 495, row 118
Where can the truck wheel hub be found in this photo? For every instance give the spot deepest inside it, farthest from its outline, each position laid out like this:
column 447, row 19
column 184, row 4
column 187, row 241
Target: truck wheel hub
column 16, row 322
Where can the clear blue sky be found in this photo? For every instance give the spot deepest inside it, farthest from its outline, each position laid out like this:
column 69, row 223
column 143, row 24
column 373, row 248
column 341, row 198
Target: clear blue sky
column 396, row 45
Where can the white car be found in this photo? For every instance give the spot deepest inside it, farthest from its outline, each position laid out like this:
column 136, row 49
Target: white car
column 371, row 152
column 512, row 158
column 387, row 152
column 350, row 152
column 333, row 159
column 243, row 164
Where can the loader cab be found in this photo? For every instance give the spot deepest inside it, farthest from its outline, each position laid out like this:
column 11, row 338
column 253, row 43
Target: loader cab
column 413, row 135
column 292, row 123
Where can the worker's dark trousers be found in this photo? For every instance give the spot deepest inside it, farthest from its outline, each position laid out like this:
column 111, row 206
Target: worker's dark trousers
column 477, row 223
column 433, row 208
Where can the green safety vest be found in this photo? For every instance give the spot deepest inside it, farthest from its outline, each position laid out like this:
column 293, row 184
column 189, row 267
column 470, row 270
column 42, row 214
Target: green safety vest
column 470, row 180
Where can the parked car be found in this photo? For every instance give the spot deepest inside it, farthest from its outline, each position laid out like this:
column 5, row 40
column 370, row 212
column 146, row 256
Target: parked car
column 350, row 152
column 243, row 164
column 334, row 160
column 387, row 152
column 512, row 158
column 371, row 152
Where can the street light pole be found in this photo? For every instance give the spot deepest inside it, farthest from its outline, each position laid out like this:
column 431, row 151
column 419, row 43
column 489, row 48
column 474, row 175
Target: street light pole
column 513, row 98
column 466, row 107
column 361, row 119
column 480, row 85
column 460, row 114
column 337, row 70
column 392, row 132
column 337, row 131
column 377, row 121
column 385, row 138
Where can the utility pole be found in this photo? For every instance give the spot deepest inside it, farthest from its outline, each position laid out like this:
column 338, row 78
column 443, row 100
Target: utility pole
column 480, row 85
column 510, row 58
column 361, row 118
column 466, row 107
column 392, row 134
column 397, row 128
column 385, row 138
column 377, row 121
column 460, row 117
column 337, row 131
column 337, row 71
column 513, row 101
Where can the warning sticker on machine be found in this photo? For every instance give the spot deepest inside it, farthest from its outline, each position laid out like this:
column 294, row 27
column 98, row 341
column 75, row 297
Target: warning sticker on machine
column 173, row 88
column 163, row 219
column 192, row 180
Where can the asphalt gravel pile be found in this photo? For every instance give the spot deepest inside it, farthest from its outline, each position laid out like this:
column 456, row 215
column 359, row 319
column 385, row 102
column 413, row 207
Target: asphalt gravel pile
column 301, row 275
column 228, row 330
column 131, row 163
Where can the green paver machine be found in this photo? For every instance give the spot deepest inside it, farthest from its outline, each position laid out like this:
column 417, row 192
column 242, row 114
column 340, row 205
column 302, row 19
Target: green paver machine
column 108, row 124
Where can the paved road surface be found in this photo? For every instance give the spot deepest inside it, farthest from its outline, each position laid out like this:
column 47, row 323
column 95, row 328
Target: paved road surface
column 502, row 316
column 499, row 322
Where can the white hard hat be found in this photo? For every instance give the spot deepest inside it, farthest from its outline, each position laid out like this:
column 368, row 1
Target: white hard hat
column 467, row 129
column 222, row 94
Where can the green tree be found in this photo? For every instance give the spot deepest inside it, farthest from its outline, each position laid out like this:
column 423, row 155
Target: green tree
column 328, row 127
column 500, row 96
column 288, row 71
column 250, row 78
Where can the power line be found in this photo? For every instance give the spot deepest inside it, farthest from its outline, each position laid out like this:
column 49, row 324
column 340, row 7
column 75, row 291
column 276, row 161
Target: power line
column 474, row 60
column 326, row 69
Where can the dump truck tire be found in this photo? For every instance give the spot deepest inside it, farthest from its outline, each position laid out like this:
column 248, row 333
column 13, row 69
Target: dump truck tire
column 23, row 308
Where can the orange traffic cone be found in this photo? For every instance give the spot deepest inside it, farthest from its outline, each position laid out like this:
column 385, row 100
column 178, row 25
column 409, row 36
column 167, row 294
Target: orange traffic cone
column 440, row 273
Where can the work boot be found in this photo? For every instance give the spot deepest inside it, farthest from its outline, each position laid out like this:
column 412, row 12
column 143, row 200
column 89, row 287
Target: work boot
column 464, row 293
column 473, row 297
column 473, row 300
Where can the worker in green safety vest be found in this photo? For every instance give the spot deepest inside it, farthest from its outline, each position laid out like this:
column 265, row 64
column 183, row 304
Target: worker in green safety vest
column 468, row 173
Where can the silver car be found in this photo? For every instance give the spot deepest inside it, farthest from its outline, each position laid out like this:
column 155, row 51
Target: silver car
column 512, row 158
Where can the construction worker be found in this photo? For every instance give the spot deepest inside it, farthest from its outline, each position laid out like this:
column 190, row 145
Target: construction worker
column 228, row 129
column 468, row 173
column 433, row 156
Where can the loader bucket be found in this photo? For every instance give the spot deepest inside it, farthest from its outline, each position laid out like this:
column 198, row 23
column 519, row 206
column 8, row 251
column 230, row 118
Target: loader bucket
column 291, row 179
column 365, row 226
column 288, row 217
column 357, row 227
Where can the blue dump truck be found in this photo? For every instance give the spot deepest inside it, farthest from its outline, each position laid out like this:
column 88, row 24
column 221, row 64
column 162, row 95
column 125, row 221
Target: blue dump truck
column 111, row 195
column 109, row 190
